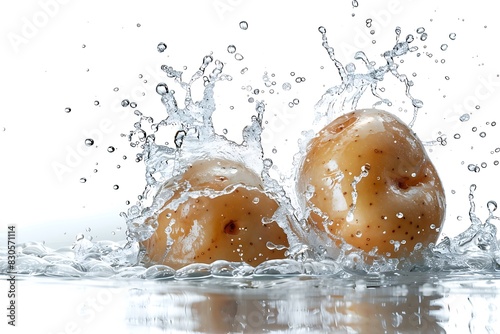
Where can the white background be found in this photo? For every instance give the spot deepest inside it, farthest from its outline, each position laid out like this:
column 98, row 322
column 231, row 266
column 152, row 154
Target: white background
column 44, row 68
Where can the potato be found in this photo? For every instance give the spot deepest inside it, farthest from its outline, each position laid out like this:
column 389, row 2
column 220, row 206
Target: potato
column 399, row 201
column 228, row 226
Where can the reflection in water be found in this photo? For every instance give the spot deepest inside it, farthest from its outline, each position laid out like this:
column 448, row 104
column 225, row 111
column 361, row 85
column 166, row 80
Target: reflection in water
column 305, row 305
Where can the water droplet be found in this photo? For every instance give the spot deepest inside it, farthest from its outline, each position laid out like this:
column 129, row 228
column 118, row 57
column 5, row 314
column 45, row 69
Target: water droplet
column 116, row 187
column 83, row 180
column 474, row 129
column 482, row 134
column 484, row 165
column 296, row 101
column 474, row 168
column 464, row 118
column 116, row 89
column 96, row 103
column 399, row 215
column 256, row 200
column 231, row 49
column 457, row 136
column 359, row 234
column 133, row 105
column 274, row 150
column 125, row 103
column 268, row 163
column 244, row 25
column 138, row 25
column 161, row 47
column 369, row 23
column 89, row 142
column 423, row 37
column 83, row 46
column 355, row 3
column 286, row 86
column 417, row 103
column 238, row 56
column 420, row 30
column 179, row 138
column 67, row 110
column 244, row 70
column 453, row 36
column 111, row 149
column 162, row 88
column 127, row 202
column 444, row 47
column 492, row 206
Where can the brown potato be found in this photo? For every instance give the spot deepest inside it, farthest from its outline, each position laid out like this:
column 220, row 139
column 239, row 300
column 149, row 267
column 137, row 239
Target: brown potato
column 227, row 226
column 400, row 200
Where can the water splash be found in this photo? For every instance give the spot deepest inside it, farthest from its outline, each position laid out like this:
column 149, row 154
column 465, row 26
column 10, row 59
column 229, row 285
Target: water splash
column 354, row 84
column 476, row 248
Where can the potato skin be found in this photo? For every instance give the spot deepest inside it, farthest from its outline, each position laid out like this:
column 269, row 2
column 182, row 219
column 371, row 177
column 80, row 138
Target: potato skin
column 228, row 226
column 400, row 203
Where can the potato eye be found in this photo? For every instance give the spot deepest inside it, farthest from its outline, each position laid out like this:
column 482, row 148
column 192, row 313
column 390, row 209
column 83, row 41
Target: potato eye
column 231, row 228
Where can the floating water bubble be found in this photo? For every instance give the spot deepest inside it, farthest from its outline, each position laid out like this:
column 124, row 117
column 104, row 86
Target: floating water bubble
column 368, row 23
column 482, row 134
column 67, row 110
column 83, row 180
column 420, row 30
column 116, row 187
column 444, row 47
column 231, row 49
column 89, row 142
column 96, row 103
column 125, row 103
column 111, row 149
column 161, row 47
column 244, row 25
column 238, row 56
column 453, row 36
column 133, row 105
column 423, row 36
